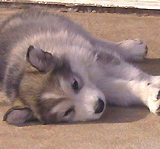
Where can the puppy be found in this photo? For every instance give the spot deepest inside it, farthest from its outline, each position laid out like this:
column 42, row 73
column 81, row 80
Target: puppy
column 55, row 71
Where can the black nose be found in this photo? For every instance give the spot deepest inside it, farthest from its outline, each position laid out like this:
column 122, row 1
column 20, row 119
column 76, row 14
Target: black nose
column 99, row 107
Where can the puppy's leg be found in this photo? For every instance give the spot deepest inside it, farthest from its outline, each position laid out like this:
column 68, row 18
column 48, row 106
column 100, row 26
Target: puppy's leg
column 124, row 92
column 132, row 50
column 136, row 48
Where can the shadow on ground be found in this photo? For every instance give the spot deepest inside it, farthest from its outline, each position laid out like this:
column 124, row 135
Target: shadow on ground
column 150, row 66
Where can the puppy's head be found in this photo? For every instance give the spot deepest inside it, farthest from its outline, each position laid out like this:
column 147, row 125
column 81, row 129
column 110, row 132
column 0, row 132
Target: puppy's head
column 55, row 90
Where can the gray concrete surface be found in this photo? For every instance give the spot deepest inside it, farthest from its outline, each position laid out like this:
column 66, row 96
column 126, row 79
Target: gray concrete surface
column 119, row 127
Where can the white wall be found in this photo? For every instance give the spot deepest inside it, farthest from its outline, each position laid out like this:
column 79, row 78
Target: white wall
column 150, row 4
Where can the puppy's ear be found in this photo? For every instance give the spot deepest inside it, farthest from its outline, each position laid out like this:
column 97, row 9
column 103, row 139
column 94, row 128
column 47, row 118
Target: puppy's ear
column 41, row 60
column 18, row 115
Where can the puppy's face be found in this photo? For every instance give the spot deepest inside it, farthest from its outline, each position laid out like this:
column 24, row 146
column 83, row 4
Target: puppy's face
column 54, row 91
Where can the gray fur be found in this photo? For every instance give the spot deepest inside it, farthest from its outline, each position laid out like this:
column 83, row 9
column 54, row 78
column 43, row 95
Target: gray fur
column 41, row 57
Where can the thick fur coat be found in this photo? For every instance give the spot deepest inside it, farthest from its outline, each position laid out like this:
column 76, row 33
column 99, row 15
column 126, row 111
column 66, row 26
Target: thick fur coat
column 54, row 71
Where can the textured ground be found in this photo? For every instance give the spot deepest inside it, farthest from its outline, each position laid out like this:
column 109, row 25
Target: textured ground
column 119, row 128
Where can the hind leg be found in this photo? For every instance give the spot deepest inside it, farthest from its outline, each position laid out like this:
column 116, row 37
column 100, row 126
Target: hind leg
column 136, row 48
column 132, row 50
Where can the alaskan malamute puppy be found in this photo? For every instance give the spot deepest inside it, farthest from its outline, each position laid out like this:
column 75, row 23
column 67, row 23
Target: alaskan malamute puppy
column 55, row 71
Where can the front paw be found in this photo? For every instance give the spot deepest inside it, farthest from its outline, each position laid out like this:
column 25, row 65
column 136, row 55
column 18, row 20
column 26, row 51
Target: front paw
column 153, row 102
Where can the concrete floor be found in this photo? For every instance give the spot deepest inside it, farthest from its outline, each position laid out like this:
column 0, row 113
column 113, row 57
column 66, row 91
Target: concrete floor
column 119, row 127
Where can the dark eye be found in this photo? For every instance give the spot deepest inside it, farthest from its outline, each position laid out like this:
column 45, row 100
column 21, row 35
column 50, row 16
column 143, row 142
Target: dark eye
column 75, row 85
column 68, row 111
